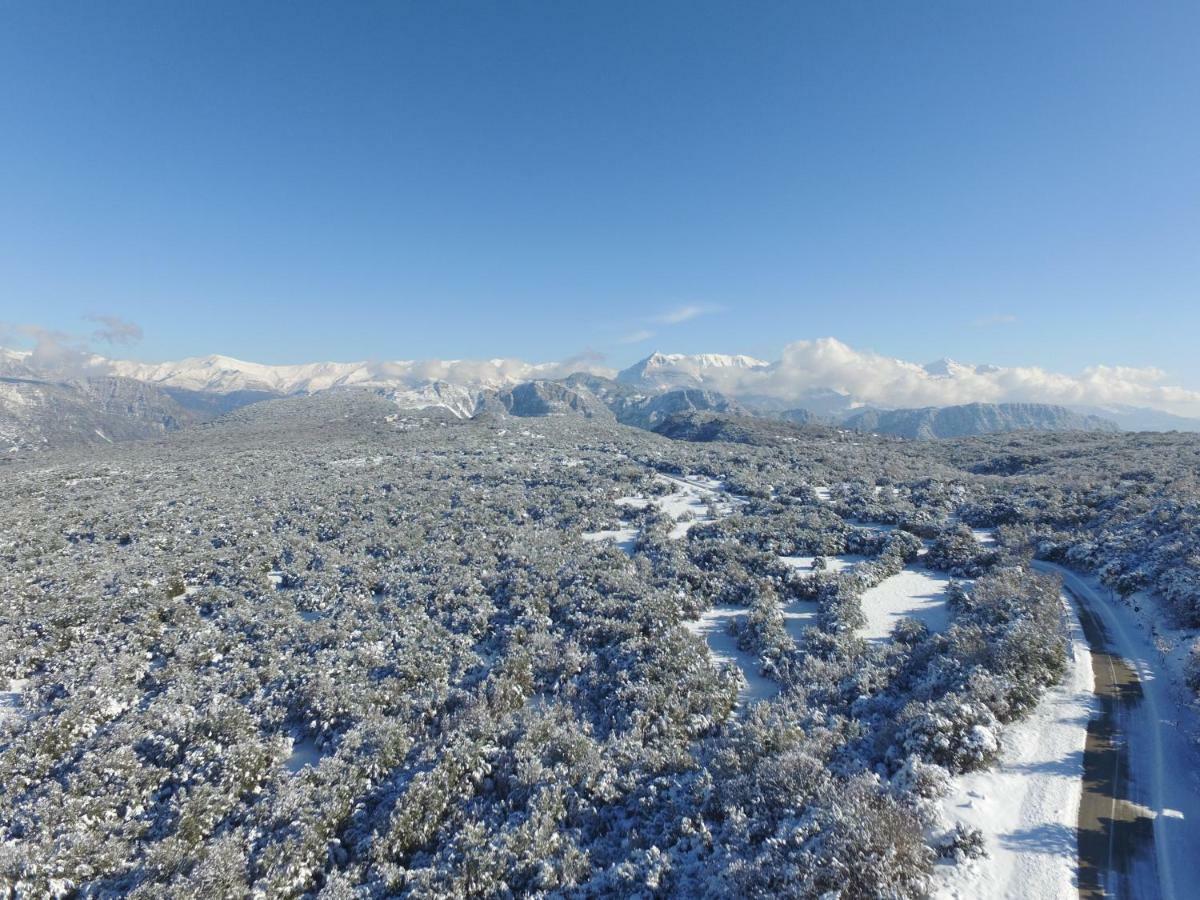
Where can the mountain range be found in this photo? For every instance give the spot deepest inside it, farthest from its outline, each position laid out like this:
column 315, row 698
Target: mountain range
column 97, row 400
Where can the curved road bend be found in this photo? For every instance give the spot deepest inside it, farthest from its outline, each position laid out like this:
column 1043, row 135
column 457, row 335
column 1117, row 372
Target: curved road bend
column 1138, row 830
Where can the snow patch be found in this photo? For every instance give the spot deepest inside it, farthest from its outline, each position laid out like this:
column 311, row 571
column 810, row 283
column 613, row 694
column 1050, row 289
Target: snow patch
column 693, row 497
column 832, row 563
column 913, row 593
column 713, row 626
column 984, row 536
column 624, row 538
column 10, row 699
column 799, row 616
column 305, row 752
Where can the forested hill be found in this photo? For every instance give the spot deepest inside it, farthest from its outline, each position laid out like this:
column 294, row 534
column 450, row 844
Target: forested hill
column 974, row 418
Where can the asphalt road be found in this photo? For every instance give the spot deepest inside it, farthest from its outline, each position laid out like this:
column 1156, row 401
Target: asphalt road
column 1139, row 818
column 1117, row 856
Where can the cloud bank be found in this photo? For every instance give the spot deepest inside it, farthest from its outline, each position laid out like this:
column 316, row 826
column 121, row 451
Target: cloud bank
column 877, row 380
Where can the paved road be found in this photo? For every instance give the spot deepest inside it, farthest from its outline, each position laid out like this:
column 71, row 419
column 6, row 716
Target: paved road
column 1139, row 815
column 1115, row 832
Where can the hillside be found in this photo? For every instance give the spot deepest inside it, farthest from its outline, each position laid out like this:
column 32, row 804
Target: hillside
column 974, row 419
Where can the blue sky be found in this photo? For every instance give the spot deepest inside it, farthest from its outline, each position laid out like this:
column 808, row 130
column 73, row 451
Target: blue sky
column 1012, row 183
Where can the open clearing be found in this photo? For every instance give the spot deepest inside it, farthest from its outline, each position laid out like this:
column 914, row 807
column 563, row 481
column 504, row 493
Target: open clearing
column 912, row 593
column 713, row 627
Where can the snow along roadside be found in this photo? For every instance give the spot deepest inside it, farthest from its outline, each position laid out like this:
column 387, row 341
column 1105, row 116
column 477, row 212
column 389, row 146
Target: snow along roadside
column 1160, row 734
column 1027, row 805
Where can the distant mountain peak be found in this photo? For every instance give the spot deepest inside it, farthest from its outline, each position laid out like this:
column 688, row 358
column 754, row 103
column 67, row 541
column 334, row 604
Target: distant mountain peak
column 661, row 371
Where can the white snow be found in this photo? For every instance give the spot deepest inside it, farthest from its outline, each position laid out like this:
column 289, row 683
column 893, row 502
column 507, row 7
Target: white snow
column 10, row 699
column 915, row 593
column 712, row 626
column 832, row 563
column 624, row 538
column 632, row 502
column 1028, row 805
column 985, row 536
column 693, row 496
column 304, row 753
column 688, row 506
column 799, row 616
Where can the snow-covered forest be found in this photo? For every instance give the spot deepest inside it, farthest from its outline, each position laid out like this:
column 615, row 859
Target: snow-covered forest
column 324, row 648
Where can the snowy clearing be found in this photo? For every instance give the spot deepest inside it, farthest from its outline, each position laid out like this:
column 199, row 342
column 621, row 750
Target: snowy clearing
column 1027, row 806
column 713, row 627
column 799, row 616
column 984, row 536
column 304, row 753
column 693, row 497
column 10, row 699
column 688, row 506
column 832, row 563
column 624, row 538
column 914, row 593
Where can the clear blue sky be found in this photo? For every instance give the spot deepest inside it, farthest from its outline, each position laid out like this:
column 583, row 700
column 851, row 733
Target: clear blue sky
column 1010, row 182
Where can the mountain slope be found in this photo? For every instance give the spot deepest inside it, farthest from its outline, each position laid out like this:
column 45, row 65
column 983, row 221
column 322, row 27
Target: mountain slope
column 38, row 414
column 1141, row 418
column 973, row 418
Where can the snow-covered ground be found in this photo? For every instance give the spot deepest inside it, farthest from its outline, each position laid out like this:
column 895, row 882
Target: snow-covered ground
column 832, row 563
column 688, row 506
column 984, row 536
column 713, row 627
column 914, row 593
column 1027, row 806
column 304, row 753
column 693, row 497
column 10, row 698
column 880, row 527
column 624, row 538
column 799, row 616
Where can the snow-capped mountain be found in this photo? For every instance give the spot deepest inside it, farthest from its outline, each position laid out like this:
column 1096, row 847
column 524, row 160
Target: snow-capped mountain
column 951, row 368
column 661, row 371
column 14, row 363
column 223, row 374
column 821, row 379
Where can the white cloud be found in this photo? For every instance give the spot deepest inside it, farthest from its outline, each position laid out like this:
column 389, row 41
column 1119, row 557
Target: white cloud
column 829, row 364
column 684, row 314
column 636, row 337
column 115, row 330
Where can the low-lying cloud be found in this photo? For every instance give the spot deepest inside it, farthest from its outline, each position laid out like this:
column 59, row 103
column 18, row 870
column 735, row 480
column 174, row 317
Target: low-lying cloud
column 874, row 379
